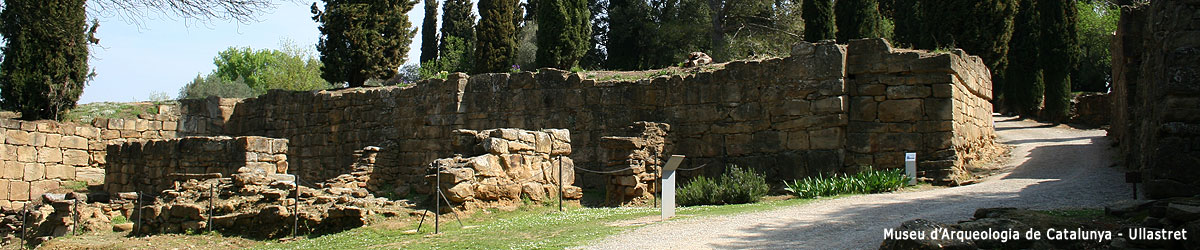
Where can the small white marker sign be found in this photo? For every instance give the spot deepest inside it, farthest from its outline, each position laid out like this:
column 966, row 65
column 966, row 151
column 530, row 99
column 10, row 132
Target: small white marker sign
column 910, row 167
column 668, row 186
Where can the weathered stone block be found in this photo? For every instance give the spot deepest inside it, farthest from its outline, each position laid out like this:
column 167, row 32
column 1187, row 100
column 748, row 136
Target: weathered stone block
column 18, row 190
column 907, row 92
column 900, row 110
column 26, row 154
column 3, row 189
column 830, row 138
column 18, row 137
column 797, row 140
column 37, row 188
column 939, row 109
column 495, row 145
column 943, row 90
column 872, row 90
column 12, row 170
column 74, row 142
column 50, row 155
column 61, row 172
column 863, row 108
column 829, row 105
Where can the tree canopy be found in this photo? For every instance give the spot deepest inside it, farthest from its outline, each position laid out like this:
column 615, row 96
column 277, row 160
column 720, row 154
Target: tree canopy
column 363, row 39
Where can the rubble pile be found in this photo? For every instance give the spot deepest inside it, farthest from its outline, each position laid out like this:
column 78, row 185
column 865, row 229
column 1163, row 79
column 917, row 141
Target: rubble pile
column 258, row 205
column 511, row 164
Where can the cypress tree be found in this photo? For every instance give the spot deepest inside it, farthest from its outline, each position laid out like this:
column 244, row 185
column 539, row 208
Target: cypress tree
column 630, row 25
column 818, row 20
column 46, row 56
column 596, row 53
column 496, row 47
column 1058, row 46
column 857, row 19
column 907, row 21
column 563, row 32
column 458, row 20
column 363, row 39
column 429, row 34
column 1023, row 86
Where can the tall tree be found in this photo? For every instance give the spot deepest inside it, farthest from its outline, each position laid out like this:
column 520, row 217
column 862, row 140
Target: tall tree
column 496, row 44
column 857, row 19
column 743, row 28
column 629, row 23
column 458, row 21
column 597, row 53
column 1058, row 49
column 45, row 57
column 363, row 39
column 563, row 32
column 1097, row 21
column 1024, row 86
column 982, row 28
column 429, row 33
column 818, row 20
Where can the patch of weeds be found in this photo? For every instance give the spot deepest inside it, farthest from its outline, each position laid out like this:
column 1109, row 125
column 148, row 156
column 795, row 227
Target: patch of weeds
column 119, row 219
column 866, row 182
column 112, row 110
column 1076, row 213
column 75, row 185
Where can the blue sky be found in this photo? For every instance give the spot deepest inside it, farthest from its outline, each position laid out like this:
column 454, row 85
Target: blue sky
column 162, row 54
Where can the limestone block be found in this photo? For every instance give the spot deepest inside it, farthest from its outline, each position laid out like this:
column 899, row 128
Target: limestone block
column 74, row 142
column 487, row 165
column 170, row 126
column 534, row 191
column 495, row 145
column 37, row 188
column 110, row 134
column 53, row 140
column 943, row 90
column 18, row 190
column 543, row 143
column 116, row 124
column 3, row 189
column 797, row 140
column 907, row 92
column 519, row 146
column 461, row 192
column 18, row 137
column 27, row 154
column 900, row 110
column 939, row 108
column 863, row 108
column 49, row 155
column 141, row 125
column 8, row 152
column 93, row 176
column 872, row 90
column 516, row 167
column 12, row 170
column 829, row 105
column 830, row 138
column 506, row 133
column 61, row 172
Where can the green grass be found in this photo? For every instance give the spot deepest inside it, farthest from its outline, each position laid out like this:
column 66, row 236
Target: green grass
column 528, row 228
column 120, row 219
column 113, row 110
column 75, row 185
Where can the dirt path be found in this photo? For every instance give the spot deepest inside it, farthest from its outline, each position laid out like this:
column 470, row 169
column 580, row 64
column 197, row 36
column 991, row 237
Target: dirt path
column 1055, row 167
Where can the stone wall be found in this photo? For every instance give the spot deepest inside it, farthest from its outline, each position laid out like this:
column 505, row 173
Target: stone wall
column 155, row 165
column 1156, row 69
column 633, row 164
column 935, row 105
column 787, row 117
column 39, row 156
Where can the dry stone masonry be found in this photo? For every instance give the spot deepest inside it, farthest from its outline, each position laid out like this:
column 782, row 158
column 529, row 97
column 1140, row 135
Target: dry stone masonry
column 508, row 165
column 826, row 109
column 1156, row 95
column 155, row 165
column 634, row 163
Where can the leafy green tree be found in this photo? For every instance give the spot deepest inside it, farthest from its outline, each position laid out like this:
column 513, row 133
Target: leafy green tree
column 745, row 28
column 455, row 58
column 857, row 19
column 45, row 57
column 1024, row 86
column 1058, row 49
column 363, row 39
column 291, row 68
column 597, row 53
column 818, row 20
column 212, row 85
column 1097, row 22
column 496, row 44
column 563, row 32
column 458, row 21
column 630, row 22
column 429, row 33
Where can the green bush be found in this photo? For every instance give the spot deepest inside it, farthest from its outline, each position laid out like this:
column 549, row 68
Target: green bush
column 736, row 186
column 211, row 85
column 865, row 182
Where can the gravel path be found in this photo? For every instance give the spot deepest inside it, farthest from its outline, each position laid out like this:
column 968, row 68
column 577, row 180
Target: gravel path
column 1056, row 167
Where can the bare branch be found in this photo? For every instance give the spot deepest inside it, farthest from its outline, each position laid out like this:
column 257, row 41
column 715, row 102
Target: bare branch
column 244, row 11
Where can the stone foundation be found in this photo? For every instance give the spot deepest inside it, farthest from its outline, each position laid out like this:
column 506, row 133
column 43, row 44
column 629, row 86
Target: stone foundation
column 155, row 165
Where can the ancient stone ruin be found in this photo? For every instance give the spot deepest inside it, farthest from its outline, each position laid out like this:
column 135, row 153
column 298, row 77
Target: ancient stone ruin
column 634, row 163
column 508, row 165
column 826, row 109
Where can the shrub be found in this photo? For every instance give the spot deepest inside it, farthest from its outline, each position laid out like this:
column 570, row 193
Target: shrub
column 211, row 85
column 736, row 186
column 865, row 182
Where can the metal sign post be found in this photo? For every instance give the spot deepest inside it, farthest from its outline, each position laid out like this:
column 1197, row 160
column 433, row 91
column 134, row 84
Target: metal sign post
column 668, row 186
column 910, row 167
